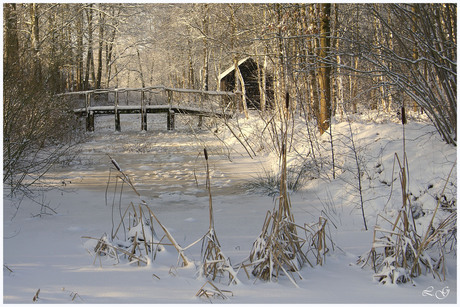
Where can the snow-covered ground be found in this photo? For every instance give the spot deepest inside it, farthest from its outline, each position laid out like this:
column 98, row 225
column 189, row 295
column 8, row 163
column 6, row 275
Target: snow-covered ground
column 47, row 252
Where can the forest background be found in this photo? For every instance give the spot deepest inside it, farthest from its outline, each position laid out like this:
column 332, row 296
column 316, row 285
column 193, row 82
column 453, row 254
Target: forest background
column 333, row 59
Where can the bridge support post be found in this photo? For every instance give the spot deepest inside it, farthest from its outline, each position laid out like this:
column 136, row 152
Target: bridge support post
column 89, row 114
column 117, row 121
column 117, row 114
column 90, row 121
column 143, row 113
column 144, row 121
column 170, row 120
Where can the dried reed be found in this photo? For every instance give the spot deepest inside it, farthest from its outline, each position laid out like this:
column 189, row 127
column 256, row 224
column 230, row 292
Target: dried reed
column 35, row 298
column 141, row 242
column 279, row 248
column 398, row 252
column 212, row 292
column 317, row 244
column 214, row 263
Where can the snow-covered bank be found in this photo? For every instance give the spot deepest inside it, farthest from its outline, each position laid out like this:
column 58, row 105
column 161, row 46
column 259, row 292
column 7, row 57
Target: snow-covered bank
column 47, row 252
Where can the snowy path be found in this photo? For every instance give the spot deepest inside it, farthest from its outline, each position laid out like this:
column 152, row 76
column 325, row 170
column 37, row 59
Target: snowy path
column 48, row 253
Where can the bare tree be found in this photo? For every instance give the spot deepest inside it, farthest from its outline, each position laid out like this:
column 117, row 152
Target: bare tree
column 325, row 68
column 424, row 59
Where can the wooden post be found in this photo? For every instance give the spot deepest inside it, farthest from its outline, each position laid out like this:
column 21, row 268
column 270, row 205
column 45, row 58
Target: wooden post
column 117, row 114
column 170, row 97
column 90, row 121
column 143, row 113
column 89, row 114
column 170, row 114
column 170, row 120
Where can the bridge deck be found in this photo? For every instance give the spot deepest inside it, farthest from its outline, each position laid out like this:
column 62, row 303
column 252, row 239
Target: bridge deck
column 148, row 109
column 170, row 110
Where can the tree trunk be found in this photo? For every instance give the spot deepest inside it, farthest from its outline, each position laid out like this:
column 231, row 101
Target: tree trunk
column 191, row 75
column 141, row 73
column 325, row 68
column 310, row 54
column 35, row 40
column 89, row 56
column 355, row 60
column 79, row 53
column 108, row 58
column 99, row 51
column 205, row 25
column 338, row 78
column 11, row 64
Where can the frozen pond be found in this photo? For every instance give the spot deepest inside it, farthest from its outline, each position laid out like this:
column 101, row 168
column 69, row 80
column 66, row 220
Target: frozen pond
column 160, row 162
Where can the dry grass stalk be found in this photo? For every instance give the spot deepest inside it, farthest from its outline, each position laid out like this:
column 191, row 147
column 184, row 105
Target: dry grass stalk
column 213, row 292
column 215, row 263
column 105, row 248
column 316, row 237
column 141, row 239
column 73, row 294
column 6, row 267
column 35, row 298
column 179, row 249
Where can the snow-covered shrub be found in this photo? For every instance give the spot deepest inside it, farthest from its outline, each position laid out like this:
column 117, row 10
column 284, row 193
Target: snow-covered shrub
column 38, row 131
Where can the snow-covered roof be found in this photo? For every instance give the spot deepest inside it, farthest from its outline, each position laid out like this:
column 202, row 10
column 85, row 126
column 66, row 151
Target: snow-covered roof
column 231, row 68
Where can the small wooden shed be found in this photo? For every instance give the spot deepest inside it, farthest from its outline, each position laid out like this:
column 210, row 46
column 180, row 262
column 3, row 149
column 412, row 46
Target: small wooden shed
column 248, row 69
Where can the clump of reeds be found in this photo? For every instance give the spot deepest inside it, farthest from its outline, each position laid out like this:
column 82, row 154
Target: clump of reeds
column 139, row 244
column 109, row 249
column 399, row 253
column 278, row 248
column 214, row 263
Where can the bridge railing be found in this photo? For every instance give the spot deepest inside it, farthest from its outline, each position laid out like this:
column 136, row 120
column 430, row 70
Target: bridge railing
column 154, row 95
column 211, row 101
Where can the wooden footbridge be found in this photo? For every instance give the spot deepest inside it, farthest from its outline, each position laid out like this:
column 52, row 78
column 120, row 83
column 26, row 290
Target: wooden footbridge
column 171, row 101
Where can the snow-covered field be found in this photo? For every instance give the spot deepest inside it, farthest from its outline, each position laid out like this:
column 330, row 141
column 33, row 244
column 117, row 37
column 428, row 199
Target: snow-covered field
column 47, row 252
